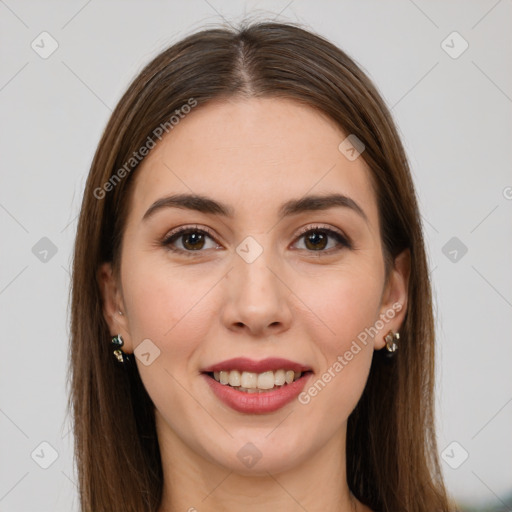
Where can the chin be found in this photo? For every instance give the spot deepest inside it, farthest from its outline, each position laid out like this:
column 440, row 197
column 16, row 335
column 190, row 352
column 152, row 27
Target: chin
column 257, row 454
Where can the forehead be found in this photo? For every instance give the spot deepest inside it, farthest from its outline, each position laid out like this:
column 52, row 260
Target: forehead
column 253, row 154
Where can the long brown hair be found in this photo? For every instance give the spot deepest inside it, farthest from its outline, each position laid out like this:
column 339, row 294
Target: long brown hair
column 392, row 457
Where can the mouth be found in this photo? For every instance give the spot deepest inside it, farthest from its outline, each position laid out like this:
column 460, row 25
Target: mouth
column 252, row 382
column 257, row 387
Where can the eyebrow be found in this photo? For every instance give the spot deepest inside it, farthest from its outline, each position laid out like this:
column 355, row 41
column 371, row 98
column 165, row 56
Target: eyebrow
column 205, row 204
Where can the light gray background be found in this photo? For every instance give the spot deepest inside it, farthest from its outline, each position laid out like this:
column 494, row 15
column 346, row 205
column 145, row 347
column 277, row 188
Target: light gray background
column 455, row 119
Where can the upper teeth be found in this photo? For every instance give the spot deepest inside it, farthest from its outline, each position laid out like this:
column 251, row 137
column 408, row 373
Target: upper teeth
column 250, row 380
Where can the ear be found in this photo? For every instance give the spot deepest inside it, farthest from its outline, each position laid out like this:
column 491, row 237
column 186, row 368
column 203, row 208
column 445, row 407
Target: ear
column 394, row 298
column 114, row 310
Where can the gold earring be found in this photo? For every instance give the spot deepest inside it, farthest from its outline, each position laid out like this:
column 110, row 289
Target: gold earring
column 391, row 340
column 117, row 343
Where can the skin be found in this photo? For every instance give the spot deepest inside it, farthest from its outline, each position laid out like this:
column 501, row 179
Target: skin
column 293, row 301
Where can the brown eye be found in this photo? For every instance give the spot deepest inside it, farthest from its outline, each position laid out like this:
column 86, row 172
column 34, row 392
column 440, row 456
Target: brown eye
column 188, row 240
column 317, row 239
column 193, row 240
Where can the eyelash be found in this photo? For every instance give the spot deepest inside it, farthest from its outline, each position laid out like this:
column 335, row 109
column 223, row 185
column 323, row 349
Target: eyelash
column 342, row 240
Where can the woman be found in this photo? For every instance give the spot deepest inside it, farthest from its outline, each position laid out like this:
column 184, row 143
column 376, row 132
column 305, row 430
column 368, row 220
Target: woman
column 251, row 308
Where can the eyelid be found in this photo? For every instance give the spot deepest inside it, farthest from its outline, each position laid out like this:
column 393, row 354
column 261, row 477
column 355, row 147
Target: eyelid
column 183, row 229
column 320, row 227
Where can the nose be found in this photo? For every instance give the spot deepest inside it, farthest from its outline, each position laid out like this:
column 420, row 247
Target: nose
column 257, row 297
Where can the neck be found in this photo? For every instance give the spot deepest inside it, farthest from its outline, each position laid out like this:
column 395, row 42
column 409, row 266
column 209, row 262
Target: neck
column 192, row 483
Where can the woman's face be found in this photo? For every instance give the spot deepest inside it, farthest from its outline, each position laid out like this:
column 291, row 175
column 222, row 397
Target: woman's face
column 270, row 273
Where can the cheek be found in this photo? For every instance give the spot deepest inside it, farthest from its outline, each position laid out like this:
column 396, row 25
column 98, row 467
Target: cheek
column 346, row 305
column 344, row 302
column 176, row 307
column 166, row 305
column 172, row 309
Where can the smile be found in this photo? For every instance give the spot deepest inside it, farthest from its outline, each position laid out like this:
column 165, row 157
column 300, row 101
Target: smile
column 250, row 382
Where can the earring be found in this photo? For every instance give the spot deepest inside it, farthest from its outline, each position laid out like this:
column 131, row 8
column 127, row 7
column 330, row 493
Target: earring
column 391, row 339
column 117, row 343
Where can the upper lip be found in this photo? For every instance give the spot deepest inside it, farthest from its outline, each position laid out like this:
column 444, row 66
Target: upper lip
column 250, row 365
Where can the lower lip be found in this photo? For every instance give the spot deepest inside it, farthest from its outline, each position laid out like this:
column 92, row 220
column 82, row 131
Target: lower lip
column 257, row 403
